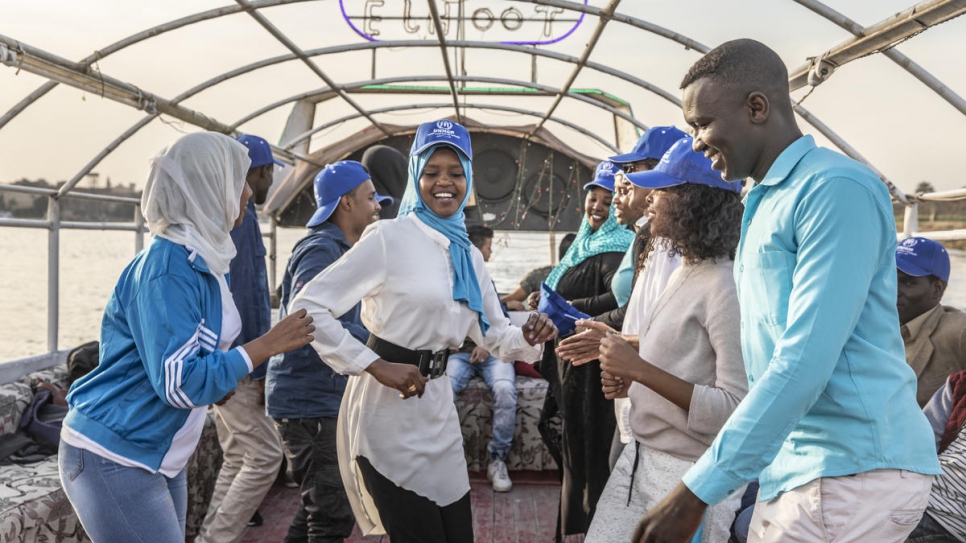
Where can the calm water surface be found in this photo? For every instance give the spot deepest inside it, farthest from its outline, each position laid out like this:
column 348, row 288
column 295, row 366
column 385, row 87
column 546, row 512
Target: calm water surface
column 91, row 262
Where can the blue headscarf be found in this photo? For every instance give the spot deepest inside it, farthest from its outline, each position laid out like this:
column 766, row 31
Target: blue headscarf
column 611, row 237
column 466, row 285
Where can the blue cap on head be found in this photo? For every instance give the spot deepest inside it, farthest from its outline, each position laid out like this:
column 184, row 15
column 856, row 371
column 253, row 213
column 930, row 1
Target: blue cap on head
column 653, row 144
column 259, row 151
column 442, row 132
column 920, row 257
column 384, row 200
column 603, row 176
column 682, row 165
column 334, row 181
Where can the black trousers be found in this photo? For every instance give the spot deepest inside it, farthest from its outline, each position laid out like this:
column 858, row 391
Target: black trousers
column 411, row 518
column 324, row 514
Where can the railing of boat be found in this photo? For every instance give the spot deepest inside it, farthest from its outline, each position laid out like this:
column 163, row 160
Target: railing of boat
column 14, row 369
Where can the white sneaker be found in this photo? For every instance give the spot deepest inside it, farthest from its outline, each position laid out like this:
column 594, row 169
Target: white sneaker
column 496, row 472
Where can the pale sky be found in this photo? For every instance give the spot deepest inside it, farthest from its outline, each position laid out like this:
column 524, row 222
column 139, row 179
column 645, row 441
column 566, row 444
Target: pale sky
column 904, row 129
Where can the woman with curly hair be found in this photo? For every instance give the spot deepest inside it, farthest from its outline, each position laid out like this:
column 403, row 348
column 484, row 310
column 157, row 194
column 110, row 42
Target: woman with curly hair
column 686, row 375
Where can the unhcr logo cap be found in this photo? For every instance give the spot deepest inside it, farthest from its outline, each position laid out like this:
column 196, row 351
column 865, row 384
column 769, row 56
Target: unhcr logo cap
column 920, row 257
column 443, row 132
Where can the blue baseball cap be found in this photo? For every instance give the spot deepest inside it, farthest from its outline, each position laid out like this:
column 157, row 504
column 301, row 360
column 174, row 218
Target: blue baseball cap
column 682, row 165
column 653, row 144
column 384, row 200
column 334, row 181
column 258, row 150
column 920, row 257
column 444, row 132
column 603, row 176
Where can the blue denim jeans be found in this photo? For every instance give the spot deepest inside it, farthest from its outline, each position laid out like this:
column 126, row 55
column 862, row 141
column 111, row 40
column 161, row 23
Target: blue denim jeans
column 930, row 531
column 120, row 504
column 501, row 380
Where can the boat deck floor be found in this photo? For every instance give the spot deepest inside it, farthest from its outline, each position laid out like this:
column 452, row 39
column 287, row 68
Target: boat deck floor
column 526, row 514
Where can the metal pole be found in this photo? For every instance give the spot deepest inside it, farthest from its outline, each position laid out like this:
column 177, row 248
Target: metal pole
column 442, row 47
column 910, row 222
column 53, row 272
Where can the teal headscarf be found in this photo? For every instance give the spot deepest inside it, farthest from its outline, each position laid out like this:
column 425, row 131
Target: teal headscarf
column 466, row 285
column 611, row 237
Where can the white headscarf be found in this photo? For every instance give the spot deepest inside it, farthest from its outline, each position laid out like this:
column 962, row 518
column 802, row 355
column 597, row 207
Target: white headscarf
column 192, row 195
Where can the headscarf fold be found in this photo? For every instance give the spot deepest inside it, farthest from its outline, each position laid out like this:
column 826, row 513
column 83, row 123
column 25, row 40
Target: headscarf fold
column 611, row 237
column 466, row 285
column 192, row 195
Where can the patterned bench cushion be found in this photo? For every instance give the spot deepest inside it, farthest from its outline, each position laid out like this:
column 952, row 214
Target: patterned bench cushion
column 33, row 506
column 475, row 406
column 14, row 399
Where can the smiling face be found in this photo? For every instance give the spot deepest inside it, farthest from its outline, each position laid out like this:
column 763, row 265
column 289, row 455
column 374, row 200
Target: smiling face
column 660, row 202
column 597, row 205
column 723, row 131
column 442, row 185
column 364, row 209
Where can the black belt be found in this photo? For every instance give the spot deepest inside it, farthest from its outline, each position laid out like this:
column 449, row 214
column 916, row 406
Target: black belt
column 430, row 364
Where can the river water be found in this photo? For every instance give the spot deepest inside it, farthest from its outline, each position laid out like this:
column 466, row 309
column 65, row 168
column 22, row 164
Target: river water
column 91, row 262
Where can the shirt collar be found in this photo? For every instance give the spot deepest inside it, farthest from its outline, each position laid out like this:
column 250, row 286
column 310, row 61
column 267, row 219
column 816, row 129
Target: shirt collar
column 641, row 222
column 332, row 231
column 433, row 234
column 787, row 160
column 914, row 326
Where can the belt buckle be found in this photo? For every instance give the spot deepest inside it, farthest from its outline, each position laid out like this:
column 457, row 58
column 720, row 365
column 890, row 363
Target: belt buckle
column 433, row 365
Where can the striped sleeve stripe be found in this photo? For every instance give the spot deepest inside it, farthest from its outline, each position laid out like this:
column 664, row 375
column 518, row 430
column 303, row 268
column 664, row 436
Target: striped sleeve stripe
column 173, row 367
column 947, row 501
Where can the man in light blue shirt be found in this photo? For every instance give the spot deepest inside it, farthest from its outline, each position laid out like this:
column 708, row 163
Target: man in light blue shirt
column 830, row 424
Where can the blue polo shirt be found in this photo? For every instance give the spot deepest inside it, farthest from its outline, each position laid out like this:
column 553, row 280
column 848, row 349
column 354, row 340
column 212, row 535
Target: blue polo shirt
column 299, row 384
column 830, row 392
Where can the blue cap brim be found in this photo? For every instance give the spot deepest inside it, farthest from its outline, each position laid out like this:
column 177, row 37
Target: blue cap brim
column 652, row 179
column 323, row 213
column 909, row 268
column 453, row 146
column 600, row 184
column 627, row 158
column 384, row 200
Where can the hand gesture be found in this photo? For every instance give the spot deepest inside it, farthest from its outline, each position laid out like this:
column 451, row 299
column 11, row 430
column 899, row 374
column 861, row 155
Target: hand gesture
column 539, row 329
column 290, row 333
column 478, row 355
column 675, row 519
column 583, row 346
column 619, row 359
column 403, row 377
column 533, row 300
column 613, row 387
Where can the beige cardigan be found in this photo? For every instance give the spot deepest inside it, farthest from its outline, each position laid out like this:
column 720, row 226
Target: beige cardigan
column 693, row 333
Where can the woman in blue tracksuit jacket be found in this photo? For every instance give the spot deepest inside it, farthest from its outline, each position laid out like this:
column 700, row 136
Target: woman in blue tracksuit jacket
column 135, row 420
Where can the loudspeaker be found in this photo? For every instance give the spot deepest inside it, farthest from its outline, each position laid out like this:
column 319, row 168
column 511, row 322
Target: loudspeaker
column 519, row 184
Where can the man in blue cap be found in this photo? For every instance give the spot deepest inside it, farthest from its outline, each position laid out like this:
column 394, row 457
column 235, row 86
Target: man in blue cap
column 934, row 335
column 252, row 451
column 303, row 393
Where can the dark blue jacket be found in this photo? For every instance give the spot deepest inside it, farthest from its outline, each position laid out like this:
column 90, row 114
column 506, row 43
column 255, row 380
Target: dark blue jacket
column 300, row 385
column 249, row 282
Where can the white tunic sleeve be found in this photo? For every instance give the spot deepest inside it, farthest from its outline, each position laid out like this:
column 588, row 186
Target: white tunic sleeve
column 335, row 290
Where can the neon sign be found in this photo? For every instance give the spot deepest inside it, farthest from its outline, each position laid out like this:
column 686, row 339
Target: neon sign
column 508, row 22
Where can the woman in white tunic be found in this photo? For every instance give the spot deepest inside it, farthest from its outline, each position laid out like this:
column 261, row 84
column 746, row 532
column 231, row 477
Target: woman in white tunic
column 423, row 288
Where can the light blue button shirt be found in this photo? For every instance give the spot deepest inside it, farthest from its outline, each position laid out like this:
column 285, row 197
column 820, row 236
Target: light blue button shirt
column 830, row 392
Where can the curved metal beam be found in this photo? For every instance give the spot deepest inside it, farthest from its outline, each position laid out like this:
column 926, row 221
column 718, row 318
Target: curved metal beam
column 522, row 111
column 602, row 19
column 893, row 54
column 297, row 51
column 90, row 60
column 325, row 94
column 434, row 12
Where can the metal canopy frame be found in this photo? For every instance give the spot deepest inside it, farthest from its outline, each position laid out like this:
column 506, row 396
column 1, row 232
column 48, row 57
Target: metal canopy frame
column 880, row 37
column 86, row 75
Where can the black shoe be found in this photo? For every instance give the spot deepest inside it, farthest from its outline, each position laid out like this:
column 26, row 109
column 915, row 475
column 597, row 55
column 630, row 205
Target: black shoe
column 256, row 519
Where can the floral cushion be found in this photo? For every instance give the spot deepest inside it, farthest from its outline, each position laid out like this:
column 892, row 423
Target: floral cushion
column 14, row 399
column 33, row 506
column 475, row 406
